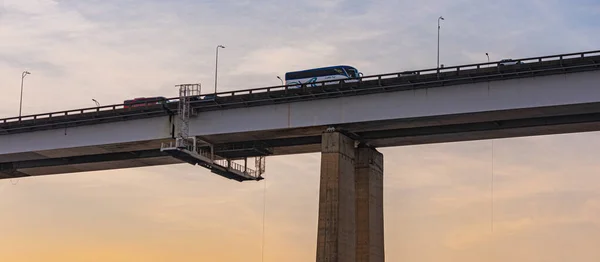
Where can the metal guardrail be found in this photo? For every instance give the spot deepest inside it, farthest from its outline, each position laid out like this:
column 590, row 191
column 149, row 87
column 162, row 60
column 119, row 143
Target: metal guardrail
column 223, row 163
column 120, row 108
column 415, row 72
column 101, row 109
column 306, row 92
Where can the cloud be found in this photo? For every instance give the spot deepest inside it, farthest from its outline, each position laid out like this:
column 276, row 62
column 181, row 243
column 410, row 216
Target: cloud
column 437, row 197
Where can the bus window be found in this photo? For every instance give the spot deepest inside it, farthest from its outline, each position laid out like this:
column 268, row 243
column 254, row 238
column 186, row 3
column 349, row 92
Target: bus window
column 320, row 72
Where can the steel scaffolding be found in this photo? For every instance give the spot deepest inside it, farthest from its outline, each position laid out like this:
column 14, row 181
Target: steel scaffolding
column 197, row 152
column 186, row 93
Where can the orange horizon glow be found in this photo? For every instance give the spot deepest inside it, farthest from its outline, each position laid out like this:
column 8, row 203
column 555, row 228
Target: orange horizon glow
column 437, row 206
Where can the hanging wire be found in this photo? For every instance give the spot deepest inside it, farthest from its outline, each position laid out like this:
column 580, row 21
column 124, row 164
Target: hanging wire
column 492, row 192
column 263, row 220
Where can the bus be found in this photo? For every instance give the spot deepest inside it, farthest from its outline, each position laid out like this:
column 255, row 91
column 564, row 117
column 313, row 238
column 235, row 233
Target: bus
column 309, row 76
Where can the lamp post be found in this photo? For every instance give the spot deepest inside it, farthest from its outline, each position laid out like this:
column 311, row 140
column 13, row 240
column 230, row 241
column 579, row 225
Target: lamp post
column 438, row 45
column 217, row 66
column 25, row 73
column 97, row 104
column 280, row 80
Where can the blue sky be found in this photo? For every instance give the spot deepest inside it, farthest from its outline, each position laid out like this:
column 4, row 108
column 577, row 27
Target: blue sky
column 437, row 197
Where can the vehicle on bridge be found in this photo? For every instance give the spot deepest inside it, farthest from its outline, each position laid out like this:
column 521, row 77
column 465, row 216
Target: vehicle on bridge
column 408, row 73
column 203, row 97
column 144, row 101
column 505, row 62
column 209, row 97
column 311, row 76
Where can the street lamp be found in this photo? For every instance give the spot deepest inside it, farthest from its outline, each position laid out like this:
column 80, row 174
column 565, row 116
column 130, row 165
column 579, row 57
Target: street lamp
column 25, row 73
column 217, row 65
column 97, row 104
column 281, row 80
column 438, row 46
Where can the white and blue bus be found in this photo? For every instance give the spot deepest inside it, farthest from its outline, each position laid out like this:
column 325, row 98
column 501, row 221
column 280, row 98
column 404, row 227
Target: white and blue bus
column 295, row 79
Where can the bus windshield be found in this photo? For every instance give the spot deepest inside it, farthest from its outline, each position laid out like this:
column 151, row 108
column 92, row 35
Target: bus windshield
column 352, row 72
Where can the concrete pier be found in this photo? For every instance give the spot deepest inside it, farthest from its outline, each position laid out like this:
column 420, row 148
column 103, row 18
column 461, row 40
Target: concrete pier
column 350, row 226
column 369, row 205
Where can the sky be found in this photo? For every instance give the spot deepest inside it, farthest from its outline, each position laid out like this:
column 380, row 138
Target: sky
column 438, row 199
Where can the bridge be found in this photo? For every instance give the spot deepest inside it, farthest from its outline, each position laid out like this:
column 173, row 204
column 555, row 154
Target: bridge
column 345, row 121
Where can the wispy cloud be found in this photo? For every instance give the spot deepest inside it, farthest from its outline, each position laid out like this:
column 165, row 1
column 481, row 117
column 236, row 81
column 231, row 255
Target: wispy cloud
column 437, row 197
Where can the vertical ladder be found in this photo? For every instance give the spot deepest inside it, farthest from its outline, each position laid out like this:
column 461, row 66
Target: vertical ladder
column 186, row 93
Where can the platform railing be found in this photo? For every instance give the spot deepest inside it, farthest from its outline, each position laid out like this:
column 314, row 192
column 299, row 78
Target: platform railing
column 429, row 71
column 225, row 163
column 207, row 154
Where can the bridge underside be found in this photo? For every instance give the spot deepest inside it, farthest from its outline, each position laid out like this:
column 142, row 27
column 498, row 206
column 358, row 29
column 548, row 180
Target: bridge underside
column 441, row 129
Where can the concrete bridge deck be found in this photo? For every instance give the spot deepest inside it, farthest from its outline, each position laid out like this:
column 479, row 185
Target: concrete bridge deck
column 547, row 95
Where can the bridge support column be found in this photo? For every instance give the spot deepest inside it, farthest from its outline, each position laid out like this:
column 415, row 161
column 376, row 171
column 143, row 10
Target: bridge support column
column 350, row 226
column 369, row 205
column 336, row 237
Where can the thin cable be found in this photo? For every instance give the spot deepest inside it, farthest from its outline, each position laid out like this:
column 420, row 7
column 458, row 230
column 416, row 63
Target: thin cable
column 491, row 246
column 263, row 220
column 492, row 191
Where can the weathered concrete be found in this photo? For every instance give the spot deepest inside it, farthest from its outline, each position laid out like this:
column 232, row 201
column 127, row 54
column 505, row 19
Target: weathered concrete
column 336, row 240
column 350, row 226
column 402, row 109
column 544, row 105
column 369, row 205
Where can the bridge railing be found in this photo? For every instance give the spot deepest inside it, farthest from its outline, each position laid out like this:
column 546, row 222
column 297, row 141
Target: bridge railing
column 413, row 72
column 263, row 90
column 425, row 77
column 100, row 109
